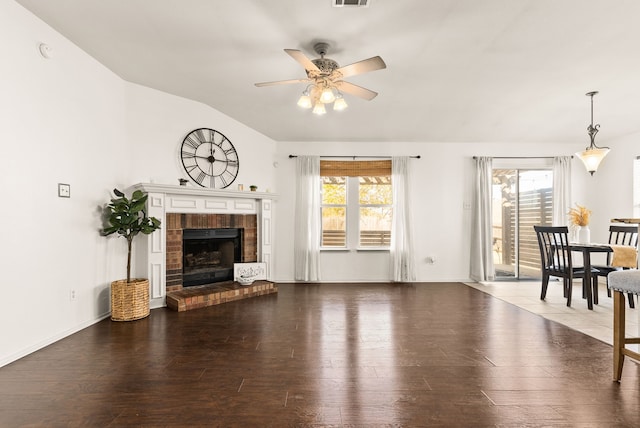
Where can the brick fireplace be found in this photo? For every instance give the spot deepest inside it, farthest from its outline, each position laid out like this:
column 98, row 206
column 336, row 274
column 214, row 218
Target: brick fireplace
column 159, row 255
column 175, row 223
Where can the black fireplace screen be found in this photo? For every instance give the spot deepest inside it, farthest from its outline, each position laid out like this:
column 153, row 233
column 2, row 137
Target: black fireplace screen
column 209, row 255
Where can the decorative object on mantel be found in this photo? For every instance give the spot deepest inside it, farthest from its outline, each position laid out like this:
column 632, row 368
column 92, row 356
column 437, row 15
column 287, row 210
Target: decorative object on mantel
column 579, row 219
column 209, row 158
column 127, row 217
column 253, row 188
column 592, row 155
column 183, row 181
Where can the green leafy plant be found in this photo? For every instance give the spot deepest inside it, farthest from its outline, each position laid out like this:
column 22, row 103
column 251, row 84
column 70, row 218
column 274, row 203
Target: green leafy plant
column 127, row 217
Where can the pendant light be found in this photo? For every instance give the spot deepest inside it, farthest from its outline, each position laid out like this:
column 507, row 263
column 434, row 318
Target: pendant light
column 592, row 155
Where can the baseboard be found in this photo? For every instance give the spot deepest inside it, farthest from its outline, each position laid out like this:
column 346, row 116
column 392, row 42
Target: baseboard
column 31, row 349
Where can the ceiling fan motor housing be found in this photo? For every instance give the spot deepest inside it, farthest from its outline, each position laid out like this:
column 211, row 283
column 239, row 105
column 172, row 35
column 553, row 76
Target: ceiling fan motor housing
column 326, row 65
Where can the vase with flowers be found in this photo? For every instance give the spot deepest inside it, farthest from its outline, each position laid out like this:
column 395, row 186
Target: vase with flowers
column 579, row 219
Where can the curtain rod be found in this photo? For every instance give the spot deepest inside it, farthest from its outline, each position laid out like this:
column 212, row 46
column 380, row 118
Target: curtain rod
column 521, row 157
column 353, row 157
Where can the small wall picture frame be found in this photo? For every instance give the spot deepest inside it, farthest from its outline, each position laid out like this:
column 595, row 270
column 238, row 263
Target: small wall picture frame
column 256, row 271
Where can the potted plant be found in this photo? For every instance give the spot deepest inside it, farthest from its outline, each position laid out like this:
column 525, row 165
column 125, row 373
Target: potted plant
column 253, row 187
column 127, row 217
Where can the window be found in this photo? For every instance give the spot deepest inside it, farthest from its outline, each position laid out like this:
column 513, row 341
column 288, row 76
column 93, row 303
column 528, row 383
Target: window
column 356, row 204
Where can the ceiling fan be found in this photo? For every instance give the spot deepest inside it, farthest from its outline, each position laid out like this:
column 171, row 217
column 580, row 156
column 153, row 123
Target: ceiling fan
column 324, row 79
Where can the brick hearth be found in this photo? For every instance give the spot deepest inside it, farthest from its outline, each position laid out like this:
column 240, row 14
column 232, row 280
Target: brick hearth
column 215, row 294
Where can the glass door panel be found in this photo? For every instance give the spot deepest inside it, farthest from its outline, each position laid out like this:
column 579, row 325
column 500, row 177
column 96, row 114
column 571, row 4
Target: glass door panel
column 521, row 198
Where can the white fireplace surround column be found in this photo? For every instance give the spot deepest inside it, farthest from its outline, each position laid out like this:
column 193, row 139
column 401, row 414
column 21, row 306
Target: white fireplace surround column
column 150, row 251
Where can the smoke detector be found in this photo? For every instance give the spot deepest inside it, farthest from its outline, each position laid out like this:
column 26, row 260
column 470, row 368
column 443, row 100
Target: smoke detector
column 350, row 3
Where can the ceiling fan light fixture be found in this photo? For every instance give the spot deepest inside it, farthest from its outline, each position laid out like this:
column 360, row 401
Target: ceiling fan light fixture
column 327, row 96
column 592, row 155
column 319, row 109
column 340, row 104
column 325, row 77
column 305, row 100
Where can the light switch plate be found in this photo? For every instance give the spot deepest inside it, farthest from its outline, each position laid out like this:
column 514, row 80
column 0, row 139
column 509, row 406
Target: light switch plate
column 64, row 190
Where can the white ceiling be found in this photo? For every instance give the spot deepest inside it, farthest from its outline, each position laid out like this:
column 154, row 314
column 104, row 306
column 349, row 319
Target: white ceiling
column 457, row 70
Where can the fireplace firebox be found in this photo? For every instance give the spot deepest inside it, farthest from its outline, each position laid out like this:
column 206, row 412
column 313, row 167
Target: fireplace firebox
column 209, row 255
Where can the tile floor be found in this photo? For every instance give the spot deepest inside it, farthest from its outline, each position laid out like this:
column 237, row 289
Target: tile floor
column 597, row 323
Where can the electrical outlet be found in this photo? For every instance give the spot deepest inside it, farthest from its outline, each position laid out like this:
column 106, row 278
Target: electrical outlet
column 72, row 295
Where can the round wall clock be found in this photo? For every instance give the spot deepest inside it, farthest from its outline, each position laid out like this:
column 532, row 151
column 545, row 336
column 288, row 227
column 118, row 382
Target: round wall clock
column 209, row 158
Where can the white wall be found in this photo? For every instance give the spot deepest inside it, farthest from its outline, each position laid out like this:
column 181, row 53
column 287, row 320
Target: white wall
column 157, row 123
column 70, row 120
column 441, row 184
column 62, row 121
column 609, row 193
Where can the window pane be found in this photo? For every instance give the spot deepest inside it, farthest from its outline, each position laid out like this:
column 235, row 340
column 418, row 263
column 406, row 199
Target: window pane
column 375, row 190
column 334, row 190
column 375, row 226
column 334, row 227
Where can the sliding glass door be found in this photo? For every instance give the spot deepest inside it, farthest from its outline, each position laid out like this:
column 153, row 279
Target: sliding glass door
column 521, row 198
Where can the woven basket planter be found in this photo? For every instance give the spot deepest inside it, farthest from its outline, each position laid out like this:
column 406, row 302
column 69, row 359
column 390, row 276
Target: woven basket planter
column 129, row 301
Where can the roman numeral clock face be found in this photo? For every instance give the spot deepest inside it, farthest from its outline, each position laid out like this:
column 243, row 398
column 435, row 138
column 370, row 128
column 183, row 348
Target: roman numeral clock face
column 209, row 158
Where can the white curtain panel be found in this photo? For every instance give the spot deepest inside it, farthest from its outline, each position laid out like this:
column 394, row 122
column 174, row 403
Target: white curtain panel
column 561, row 189
column 482, row 268
column 402, row 264
column 307, row 219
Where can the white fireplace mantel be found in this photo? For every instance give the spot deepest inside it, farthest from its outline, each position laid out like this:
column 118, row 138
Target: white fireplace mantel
column 167, row 198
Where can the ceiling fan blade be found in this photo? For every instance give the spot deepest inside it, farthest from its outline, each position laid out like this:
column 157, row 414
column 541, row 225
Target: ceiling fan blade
column 282, row 82
column 356, row 90
column 364, row 66
column 302, row 59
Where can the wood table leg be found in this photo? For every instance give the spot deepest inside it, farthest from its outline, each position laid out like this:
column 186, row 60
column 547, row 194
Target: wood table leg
column 586, row 257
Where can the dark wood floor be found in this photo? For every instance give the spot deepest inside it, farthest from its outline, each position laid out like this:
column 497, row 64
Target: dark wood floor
column 361, row 355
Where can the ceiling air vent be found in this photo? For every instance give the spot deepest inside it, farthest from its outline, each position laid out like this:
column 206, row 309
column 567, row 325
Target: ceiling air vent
column 350, row 3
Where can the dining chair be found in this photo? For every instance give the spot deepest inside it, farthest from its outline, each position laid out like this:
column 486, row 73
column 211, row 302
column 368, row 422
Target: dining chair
column 618, row 235
column 555, row 259
column 621, row 282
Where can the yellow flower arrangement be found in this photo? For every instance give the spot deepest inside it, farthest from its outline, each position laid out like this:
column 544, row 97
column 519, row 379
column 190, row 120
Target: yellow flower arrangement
column 579, row 216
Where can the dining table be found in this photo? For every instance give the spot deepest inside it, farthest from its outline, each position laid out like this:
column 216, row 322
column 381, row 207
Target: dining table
column 586, row 250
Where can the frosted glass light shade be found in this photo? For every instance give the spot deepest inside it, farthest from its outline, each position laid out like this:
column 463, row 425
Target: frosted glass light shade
column 319, row 109
column 340, row 104
column 327, row 96
column 304, row 101
column 591, row 157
